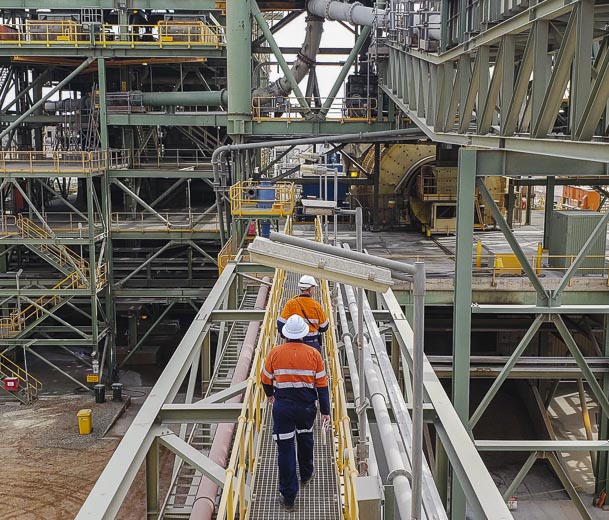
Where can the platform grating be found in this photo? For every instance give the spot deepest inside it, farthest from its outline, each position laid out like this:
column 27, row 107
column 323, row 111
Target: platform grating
column 320, row 500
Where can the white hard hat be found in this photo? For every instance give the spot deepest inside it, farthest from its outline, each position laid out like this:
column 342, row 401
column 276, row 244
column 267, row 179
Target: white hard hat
column 306, row 282
column 295, row 328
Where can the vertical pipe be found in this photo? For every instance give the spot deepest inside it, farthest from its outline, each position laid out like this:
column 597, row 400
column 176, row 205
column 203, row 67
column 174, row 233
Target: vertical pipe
column 204, row 505
column 335, row 206
column 417, row 392
column 363, row 433
column 547, row 220
column 106, row 219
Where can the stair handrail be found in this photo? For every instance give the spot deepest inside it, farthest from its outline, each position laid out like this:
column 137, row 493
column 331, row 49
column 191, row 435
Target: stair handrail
column 19, row 318
column 8, row 368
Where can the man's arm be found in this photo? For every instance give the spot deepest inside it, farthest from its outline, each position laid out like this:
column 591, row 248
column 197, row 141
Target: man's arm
column 285, row 314
column 321, row 383
column 324, row 323
column 267, row 376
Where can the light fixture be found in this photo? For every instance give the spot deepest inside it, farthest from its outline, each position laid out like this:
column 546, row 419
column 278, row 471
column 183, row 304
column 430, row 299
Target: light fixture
column 329, row 267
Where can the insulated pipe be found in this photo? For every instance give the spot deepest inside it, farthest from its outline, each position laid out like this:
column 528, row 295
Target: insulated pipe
column 353, row 372
column 354, row 13
column 431, row 499
column 395, row 464
column 367, row 137
column 201, row 98
column 205, row 501
column 304, row 61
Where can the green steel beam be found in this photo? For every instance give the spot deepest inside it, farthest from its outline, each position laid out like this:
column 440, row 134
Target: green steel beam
column 163, row 119
column 291, row 129
column 205, row 413
column 462, row 314
column 503, row 375
column 112, row 486
column 239, row 64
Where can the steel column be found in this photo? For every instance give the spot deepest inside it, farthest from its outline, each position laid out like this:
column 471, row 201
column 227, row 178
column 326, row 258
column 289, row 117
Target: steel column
column 462, row 314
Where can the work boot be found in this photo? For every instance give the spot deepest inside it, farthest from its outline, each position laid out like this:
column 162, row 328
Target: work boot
column 305, row 483
column 285, row 504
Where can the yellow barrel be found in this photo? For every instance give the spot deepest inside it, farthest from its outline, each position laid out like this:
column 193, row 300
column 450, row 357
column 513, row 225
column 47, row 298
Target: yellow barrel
column 84, row 421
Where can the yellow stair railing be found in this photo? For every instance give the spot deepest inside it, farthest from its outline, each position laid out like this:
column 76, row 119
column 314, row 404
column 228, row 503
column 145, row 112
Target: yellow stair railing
column 343, row 448
column 19, row 319
column 30, row 385
column 243, row 456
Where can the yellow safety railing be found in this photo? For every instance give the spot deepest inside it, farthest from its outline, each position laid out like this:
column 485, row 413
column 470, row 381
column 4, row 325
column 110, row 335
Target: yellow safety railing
column 63, row 255
column 19, row 319
column 343, row 448
column 243, row 455
column 13, row 161
column 250, row 199
column 26, row 380
column 344, row 110
column 71, row 33
column 145, row 222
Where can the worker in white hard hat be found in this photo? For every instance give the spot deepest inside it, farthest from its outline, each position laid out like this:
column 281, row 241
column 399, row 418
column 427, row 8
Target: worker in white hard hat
column 308, row 308
column 293, row 378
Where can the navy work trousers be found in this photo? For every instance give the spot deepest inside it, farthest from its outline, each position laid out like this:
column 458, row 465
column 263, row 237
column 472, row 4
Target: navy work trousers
column 293, row 420
column 314, row 341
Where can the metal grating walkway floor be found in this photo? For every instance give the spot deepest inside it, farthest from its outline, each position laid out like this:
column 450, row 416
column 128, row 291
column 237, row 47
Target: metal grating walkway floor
column 320, row 500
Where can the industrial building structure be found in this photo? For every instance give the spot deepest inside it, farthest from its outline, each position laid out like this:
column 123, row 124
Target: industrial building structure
column 145, row 145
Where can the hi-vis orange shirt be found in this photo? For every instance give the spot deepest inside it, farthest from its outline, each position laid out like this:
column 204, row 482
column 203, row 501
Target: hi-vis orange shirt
column 310, row 310
column 295, row 372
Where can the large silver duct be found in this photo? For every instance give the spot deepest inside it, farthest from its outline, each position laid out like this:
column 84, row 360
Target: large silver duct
column 306, row 58
column 354, row 13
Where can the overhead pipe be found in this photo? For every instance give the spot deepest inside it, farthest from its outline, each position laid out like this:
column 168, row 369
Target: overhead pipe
column 354, row 13
column 398, row 270
column 218, row 154
column 205, row 501
column 200, row 98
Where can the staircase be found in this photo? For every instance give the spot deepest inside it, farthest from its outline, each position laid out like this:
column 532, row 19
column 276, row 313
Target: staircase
column 20, row 320
column 29, row 386
column 184, row 488
column 65, row 260
column 59, row 256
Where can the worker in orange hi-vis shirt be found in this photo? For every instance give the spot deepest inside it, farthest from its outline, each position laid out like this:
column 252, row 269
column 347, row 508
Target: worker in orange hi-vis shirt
column 293, row 378
column 308, row 308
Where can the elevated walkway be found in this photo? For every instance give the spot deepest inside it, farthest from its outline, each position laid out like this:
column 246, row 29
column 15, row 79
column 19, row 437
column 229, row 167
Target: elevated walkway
column 321, row 498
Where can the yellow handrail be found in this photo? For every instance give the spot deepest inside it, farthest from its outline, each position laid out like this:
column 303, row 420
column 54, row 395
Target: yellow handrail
column 343, row 448
column 243, row 455
column 250, row 199
column 10, row 369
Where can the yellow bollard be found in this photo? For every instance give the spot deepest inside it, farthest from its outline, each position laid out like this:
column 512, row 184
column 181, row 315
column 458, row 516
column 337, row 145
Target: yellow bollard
column 538, row 259
column 479, row 254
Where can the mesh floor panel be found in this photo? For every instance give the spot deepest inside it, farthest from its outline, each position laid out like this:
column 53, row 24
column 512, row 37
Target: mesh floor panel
column 319, row 500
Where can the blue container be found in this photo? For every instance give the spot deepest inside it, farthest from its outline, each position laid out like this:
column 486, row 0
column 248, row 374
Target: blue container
column 266, row 192
column 265, row 228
